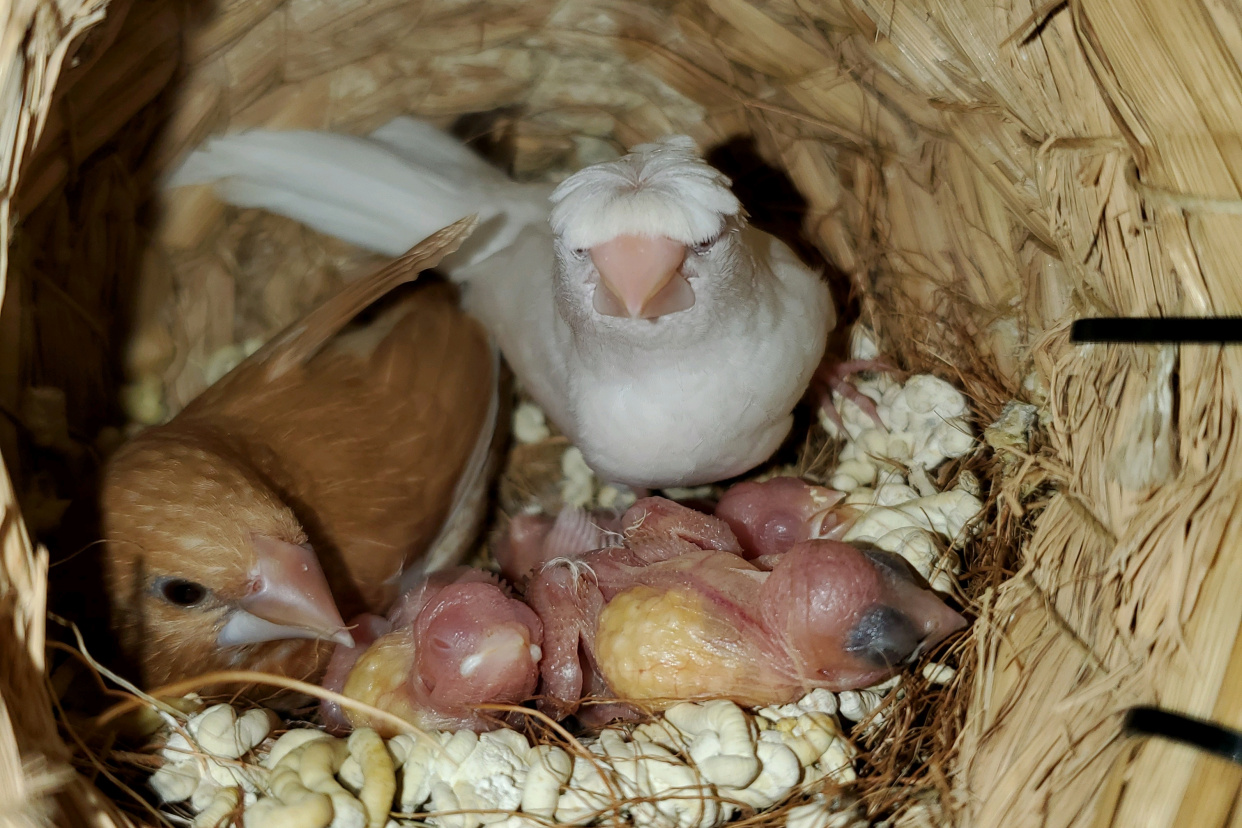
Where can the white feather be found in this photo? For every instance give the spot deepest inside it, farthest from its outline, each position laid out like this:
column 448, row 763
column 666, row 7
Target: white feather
column 659, row 189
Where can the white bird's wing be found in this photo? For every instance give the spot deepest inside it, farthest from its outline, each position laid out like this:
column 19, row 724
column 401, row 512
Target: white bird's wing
column 513, row 296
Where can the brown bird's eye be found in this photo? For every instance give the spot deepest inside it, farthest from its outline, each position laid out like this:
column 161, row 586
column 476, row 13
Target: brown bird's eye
column 181, row 592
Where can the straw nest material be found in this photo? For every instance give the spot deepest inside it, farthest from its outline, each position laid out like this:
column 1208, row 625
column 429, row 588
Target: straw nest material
column 982, row 172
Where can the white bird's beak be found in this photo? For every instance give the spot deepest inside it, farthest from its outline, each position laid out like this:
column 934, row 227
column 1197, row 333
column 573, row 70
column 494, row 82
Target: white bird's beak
column 640, row 277
column 288, row 598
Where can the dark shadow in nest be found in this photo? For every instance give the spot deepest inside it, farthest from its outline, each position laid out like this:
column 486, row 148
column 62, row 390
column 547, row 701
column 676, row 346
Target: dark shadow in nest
column 84, row 212
column 775, row 206
column 491, row 134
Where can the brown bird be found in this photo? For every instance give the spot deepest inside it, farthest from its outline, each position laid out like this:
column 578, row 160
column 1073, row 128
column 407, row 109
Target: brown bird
column 305, row 484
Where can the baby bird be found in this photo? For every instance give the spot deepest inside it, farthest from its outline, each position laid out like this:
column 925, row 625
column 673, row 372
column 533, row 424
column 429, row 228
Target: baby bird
column 453, row 643
column 772, row 515
column 303, row 485
column 678, row 613
column 663, row 334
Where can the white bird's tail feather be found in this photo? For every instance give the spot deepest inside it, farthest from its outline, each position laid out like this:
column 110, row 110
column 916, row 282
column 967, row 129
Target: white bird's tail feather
column 385, row 192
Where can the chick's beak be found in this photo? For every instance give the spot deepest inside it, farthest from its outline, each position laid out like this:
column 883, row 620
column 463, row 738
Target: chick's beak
column 288, row 598
column 640, row 277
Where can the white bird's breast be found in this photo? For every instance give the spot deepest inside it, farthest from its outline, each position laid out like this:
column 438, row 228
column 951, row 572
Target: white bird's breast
column 711, row 414
column 720, row 407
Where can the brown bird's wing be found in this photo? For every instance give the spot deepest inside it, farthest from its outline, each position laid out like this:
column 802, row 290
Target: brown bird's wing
column 304, row 338
column 369, row 440
column 365, row 432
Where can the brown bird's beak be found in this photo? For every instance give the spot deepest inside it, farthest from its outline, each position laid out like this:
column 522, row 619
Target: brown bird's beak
column 640, row 277
column 288, row 598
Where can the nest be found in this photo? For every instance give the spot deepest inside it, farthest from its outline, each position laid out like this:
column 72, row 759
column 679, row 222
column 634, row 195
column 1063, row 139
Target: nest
column 977, row 174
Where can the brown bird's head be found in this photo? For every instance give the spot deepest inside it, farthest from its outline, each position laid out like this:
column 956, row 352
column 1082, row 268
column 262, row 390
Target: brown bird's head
column 207, row 568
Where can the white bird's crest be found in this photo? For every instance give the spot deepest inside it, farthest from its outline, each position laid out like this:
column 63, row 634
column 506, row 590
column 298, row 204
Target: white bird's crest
column 659, row 189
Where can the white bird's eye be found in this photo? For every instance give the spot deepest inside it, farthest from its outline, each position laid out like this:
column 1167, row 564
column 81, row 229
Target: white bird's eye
column 580, row 253
column 702, row 247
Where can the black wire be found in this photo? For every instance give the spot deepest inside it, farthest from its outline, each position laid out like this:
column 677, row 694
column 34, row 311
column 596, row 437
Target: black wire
column 1187, row 730
column 1168, row 329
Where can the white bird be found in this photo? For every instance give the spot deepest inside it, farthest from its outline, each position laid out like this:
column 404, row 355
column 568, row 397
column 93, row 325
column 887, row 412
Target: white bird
column 664, row 335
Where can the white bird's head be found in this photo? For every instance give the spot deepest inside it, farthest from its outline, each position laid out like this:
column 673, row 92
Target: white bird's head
column 648, row 236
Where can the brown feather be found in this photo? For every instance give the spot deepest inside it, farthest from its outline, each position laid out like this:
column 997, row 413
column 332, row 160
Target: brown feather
column 303, row 339
column 352, row 439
